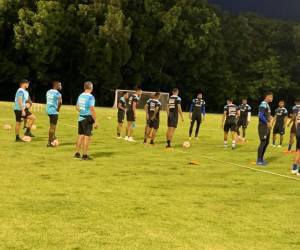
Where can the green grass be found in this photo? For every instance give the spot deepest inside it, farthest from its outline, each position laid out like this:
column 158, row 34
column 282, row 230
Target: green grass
column 139, row 197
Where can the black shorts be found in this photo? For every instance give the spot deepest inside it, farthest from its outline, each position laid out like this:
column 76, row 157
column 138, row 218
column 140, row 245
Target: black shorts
column 298, row 137
column 153, row 124
column 230, row 125
column 293, row 129
column 121, row 116
column 130, row 116
column 19, row 116
column 197, row 118
column 263, row 132
column 278, row 129
column 85, row 128
column 173, row 120
column 242, row 123
column 53, row 119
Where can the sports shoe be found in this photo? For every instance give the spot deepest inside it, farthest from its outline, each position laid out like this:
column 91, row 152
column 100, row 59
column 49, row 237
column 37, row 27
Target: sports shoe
column 130, row 139
column 126, row 138
column 86, row 158
column 273, row 145
column 295, row 169
column 197, row 138
column 19, row 139
column 49, row 145
column 233, row 146
column 279, row 146
column 261, row 163
column 119, row 137
column 29, row 134
column 77, row 156
column 225, row 146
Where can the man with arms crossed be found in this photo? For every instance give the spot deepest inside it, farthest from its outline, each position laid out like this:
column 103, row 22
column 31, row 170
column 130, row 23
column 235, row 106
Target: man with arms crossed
column 54, row 102
column 22, row 105
column 87, row 117
column 173, row 108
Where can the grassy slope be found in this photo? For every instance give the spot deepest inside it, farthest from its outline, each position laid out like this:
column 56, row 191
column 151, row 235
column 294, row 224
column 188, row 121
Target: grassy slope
column 138, row 197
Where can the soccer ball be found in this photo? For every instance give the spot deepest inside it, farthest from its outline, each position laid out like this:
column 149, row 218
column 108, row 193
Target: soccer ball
column 33, row 127
column 26, row 138
column 7, row 127
column 55, row 143
column 186, row 144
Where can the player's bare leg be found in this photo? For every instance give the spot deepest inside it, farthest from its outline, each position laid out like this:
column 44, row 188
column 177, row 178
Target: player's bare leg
column 30, row 122
column 119, row 129
column 79, row 145
column 51, row 134
column 169, row 136
column 274, row 140
column 234, row 136
column 291, row 141
column 86, row 143
column 225, row 139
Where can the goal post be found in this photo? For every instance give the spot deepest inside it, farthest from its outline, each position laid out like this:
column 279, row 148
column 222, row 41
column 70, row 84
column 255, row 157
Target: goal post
column 146, row 95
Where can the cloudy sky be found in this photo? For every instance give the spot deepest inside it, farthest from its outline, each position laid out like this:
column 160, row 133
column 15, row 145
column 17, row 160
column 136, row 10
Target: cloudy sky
column 288, row 9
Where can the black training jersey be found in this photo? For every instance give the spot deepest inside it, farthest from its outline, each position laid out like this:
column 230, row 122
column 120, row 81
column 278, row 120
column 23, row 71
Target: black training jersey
column 281, row 114
column 296, row 113
column 245, row 109
column 132, row 99
column 173, row 103
column 198, row 106
column 122, row 101
column 153, row 104
column 231, row 111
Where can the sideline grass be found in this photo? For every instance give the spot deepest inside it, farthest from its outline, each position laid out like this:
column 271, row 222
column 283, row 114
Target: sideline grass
column 140, row 197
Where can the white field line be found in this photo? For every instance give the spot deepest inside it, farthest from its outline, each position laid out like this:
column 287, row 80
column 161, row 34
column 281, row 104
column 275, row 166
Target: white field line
column 243, row 166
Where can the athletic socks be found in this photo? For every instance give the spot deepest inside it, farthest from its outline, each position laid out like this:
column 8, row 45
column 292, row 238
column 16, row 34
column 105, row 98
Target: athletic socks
column 233, row 144
column 290, row 147
column 225, row 143
column 169, row 143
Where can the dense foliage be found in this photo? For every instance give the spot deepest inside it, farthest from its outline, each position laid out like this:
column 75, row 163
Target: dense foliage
column 158, row 44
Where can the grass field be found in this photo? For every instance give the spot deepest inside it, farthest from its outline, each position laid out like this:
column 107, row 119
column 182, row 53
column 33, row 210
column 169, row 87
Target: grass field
column 140, row 197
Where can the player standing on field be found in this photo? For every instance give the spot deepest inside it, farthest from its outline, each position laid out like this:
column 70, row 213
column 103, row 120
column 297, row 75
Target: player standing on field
column 131, row 113
column 280, row 121
column 296, row 119
column 87, row 117
column 152, row 109
column 264, row 128
column 292, row 131
column 54, row 102
column 197, row 114
column 121, row 112
column 229, row 121
column 22, row 105
column 173, row 108
column 244, row 118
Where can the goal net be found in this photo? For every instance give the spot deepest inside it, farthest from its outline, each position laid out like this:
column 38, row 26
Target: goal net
column 146, row 95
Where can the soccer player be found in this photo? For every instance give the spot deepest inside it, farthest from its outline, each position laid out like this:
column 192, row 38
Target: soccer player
column 22, row 105
column 280, row 121
column 173, row 108
column 131, row 113
column 296, row 120
column 264, row 128
column 121, row 112
column 54, row 102
column 197, row 114
column 229, row 122
column 87, row 117
column 292, row 132
column 152, row 109
column 244, row 118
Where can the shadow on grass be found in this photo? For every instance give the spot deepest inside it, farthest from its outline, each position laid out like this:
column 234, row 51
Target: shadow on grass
column 102, row 154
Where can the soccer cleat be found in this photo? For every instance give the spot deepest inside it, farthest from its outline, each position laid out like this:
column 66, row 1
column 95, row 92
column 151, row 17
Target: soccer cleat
column 29, row 134
column 77, row 156
column 49, row 145
column 261, row 163
column 130, row 139
column 197, row 138
column 119, row 137
column 273, row 145
column 19, row 139
column 126, row 138
column 279, row 146
column 295, row 169
column 225, row 146
column 86, row 158
column 298, row 174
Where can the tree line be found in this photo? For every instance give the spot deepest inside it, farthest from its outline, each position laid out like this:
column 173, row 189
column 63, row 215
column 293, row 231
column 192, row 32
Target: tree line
column 157, row 44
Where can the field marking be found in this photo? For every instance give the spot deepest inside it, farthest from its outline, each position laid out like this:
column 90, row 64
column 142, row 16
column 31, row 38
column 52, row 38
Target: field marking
column 243, row 166
column 68, row 125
